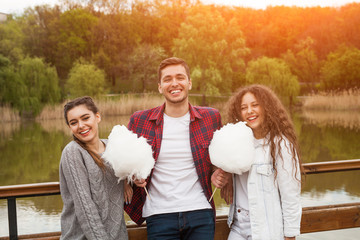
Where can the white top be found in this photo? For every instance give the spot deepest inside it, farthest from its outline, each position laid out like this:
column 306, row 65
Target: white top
column 274, row 202
column 175, row 185
column 241, row 192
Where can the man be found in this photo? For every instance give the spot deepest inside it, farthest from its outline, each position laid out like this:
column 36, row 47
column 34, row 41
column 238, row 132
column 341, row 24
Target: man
column 179, row 185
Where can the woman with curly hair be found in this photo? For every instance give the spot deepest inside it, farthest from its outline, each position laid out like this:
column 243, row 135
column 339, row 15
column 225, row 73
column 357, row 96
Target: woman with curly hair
column 266, row 199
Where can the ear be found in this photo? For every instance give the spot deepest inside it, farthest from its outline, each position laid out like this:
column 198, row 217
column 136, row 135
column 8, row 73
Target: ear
column 159, row 88
column 190, row 84
column 98, row 117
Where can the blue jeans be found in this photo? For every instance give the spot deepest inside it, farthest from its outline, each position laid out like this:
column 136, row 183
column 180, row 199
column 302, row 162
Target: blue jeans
column 196, row 225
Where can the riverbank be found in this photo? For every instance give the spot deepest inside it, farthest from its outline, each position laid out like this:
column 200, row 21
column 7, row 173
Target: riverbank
column 120, row 105
column 334, row 100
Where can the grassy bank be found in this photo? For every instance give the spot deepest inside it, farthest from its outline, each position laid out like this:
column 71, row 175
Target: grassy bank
column 109, row 106
column 127, row 104
column 343, row 100
column 8, row 114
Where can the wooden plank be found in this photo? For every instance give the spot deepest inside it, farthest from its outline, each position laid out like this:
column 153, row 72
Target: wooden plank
column 332, row 217
column 28, row 190
column 314, row 219
column 331, row 166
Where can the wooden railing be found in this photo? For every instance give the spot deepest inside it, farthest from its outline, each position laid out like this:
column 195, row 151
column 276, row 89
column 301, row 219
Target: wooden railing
column 314, row 219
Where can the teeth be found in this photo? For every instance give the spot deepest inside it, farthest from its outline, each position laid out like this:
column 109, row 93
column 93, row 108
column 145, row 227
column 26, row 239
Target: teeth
column 175, row 91
column 252, row 118
column 84, row 132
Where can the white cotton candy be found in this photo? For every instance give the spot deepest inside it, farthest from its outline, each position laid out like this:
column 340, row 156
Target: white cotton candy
column 128, row 155
column 232, row 148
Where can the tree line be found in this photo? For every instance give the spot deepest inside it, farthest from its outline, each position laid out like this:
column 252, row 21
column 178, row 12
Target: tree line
column 114, row 46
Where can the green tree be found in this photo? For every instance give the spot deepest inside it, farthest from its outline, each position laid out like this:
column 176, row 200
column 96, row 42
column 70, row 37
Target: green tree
column 41, row 81
column 304, row 63
column 341, row 69
column 213, row 48
column 40, row 26
column 274, row 73
column 75, row 38
column 11, row 40
column 12, row 89
column 143, row 64
column 115, row 37
column 85, row 79
column 28, row 86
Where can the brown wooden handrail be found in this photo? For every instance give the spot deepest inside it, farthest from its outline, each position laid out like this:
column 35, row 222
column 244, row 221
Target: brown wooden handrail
column 331, row 166
column 28, row 190
column 314, row 219
column 50, row 188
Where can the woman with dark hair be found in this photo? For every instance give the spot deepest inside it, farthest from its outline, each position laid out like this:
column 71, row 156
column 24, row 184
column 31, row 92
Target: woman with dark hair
column 92, row 197
column 266, row 199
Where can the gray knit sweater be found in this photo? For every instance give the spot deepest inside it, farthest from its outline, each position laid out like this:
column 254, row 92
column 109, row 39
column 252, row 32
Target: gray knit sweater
column 93, row 200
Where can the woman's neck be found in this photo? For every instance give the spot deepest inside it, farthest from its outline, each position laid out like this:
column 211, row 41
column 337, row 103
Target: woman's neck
column 96, row 146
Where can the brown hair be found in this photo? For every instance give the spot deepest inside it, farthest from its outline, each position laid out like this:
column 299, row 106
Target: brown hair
column 277, row 123
column 173, row 61
column 89, row 103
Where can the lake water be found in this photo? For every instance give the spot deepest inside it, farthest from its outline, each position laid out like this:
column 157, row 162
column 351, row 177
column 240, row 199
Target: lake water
column 30, row 153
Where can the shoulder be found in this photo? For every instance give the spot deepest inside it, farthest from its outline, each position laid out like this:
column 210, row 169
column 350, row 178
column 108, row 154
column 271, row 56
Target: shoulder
column 144, row 114
column 71, row 151
column 205, row 110
column 283, row 142
column 208, row 114
column 71, row 147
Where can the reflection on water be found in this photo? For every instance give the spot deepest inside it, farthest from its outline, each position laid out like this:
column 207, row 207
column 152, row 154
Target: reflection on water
column 30, row 153
column 344, row 119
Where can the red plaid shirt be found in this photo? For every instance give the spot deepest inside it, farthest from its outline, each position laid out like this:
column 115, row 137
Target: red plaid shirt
column 149, row 124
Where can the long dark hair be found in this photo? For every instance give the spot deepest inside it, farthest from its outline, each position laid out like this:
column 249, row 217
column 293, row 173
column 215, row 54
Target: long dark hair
column 277, row 123
column 89, row 103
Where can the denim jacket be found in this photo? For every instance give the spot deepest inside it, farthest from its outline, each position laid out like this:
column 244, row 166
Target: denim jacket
column 274, row 203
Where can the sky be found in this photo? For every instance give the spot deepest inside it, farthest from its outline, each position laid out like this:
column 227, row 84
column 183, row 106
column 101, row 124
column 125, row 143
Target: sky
column 18, row 6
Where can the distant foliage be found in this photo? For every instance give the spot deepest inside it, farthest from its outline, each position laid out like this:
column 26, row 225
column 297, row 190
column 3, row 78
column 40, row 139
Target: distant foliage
column 85, row 79
column 218, row 42
column 143, row 64
column 30, row 85
column 274, row 73
column 341, row 69
column 208, row 43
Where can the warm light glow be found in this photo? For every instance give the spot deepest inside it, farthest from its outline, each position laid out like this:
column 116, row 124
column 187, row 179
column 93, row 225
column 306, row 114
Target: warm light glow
column 258, row 4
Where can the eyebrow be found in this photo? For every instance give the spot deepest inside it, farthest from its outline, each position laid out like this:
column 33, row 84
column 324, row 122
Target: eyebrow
column 176, row 75
column 71, row 120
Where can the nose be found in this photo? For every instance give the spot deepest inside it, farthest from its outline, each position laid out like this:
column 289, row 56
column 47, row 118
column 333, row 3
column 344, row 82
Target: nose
column 174, row 82
column 81, row 124
column 249, row 110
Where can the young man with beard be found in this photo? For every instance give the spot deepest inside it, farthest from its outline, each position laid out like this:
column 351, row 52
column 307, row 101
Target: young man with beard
column 180, row 183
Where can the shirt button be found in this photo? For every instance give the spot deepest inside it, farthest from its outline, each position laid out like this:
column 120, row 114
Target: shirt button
column 239, row 210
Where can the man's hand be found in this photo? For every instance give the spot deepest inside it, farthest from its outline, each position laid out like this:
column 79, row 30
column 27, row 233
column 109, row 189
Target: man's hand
column 220, row 178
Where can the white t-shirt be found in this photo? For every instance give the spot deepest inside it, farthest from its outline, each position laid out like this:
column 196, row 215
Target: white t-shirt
column 242, row 190
column 175, row 185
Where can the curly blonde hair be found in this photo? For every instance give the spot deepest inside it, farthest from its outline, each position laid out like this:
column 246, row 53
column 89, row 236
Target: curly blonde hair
column 277, row 123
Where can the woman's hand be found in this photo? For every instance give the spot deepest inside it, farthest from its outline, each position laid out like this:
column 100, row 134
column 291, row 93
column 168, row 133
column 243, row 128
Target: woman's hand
column 226, row 192
column 128, row 192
